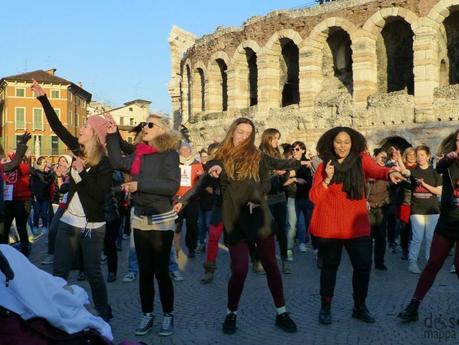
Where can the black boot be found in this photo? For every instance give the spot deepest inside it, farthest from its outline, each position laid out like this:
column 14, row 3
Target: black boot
column 410, row 313
column 229, row 325
column 284, row 322
column 360, row 312
column 325, row 312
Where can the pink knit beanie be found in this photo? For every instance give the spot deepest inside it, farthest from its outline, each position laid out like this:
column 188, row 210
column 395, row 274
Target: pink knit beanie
column 99, row 124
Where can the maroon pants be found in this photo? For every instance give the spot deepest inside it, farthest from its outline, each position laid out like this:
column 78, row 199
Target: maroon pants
column 239, row 253
column 439, row 251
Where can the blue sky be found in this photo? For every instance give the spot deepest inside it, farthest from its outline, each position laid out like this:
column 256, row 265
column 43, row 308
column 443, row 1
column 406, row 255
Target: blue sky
column 117, row 48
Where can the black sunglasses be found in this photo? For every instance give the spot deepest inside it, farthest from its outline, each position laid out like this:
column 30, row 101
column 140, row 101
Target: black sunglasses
column 149, row 124
column 297, row 149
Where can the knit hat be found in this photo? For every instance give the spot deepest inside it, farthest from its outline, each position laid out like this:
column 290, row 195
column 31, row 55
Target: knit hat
column 68, row 158
column 186, row 144
column 99, row 124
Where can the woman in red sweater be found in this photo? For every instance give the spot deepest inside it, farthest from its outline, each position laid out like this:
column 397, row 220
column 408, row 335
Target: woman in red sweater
column 340, row 217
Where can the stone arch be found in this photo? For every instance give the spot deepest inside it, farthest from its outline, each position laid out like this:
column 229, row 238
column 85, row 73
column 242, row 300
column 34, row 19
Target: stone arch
column 278, row 70
column 394, row 141
column 199, row 87
column 217, row 77
column 326, row 62
column 186, row 90
column 244, row 75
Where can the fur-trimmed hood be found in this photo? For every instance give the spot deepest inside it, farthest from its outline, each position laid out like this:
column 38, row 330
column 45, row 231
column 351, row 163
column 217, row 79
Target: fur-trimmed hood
column 167, row 141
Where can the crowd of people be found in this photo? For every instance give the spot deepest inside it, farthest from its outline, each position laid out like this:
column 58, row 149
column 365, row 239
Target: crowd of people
column 337, row 195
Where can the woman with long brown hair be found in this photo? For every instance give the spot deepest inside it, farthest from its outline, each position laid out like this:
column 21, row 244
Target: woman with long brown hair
column 276, row 198
column 245, row 181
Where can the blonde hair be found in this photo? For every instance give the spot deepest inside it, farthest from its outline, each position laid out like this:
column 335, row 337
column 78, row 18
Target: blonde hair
column 407, row 151
column 163, row 124
column 94, row 151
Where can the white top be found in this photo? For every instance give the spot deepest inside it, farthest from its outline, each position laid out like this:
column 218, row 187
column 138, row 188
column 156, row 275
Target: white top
column 36, row 293
column 74, row 214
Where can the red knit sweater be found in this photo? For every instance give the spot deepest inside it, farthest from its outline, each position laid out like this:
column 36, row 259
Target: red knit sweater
column 336, row 216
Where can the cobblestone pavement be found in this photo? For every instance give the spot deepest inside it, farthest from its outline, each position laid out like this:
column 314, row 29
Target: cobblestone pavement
column 200, row 309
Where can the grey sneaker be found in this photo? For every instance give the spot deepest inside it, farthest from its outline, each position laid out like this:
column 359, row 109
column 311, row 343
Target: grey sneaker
column 146, row 324
column 167, row 328
column 414, row 268
column 177, row 276
column 48, row 260
column 129, row 277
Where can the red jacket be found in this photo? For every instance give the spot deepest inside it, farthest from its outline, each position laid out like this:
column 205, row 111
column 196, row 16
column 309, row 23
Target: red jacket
column 19, row 178
column 187, row 181
column 336, row 216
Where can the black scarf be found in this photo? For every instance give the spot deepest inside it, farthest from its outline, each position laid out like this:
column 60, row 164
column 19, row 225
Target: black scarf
column 350, row 173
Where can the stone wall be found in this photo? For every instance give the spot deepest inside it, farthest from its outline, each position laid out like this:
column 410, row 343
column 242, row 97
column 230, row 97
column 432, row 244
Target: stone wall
column 378, row 66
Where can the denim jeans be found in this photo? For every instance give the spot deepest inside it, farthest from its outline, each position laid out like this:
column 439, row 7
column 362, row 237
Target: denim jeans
column 203, row 225
column 41, row 209
column 295, row 209
column 421, row 224
column 69, row 240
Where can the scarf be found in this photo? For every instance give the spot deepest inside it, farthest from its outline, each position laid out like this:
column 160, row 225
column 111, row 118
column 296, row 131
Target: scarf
column 350, row 173
column 187, row 161
column 140, row 150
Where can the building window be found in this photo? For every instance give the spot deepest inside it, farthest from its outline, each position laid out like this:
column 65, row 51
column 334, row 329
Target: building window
column 70, row 96
column 121, row 121
column 58, row 113
column 55, row 94
column 129, row 140
column 37, row 149
column 20, row 118
column 70, row 118
column 54, row 145
column 131, row 121
column 20, row 92
column 37, row 119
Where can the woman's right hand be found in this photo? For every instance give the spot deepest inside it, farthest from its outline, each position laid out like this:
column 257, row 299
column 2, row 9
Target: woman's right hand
column 37, row 89
column 111, row 126
column 215, row 171
column 330, row 170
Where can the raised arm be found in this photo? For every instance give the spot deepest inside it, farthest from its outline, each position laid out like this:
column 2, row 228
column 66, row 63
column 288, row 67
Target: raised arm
column 444, row 163
column 20, row 152
column 56, row 125
column 117, row 160
column 280, row 164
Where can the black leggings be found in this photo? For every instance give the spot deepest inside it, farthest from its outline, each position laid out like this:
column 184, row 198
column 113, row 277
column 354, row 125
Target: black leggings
column 359, row 250
column 111, row 234
column 153, row 249
column 18, row 210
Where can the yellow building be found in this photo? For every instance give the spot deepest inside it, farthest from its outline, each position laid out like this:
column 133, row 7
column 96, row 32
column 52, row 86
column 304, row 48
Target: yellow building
column 20, row 110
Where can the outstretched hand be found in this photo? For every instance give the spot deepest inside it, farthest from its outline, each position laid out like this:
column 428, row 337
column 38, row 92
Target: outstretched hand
column 396, row 177
column 37, row 88
column 111, row 127
column 25, row 137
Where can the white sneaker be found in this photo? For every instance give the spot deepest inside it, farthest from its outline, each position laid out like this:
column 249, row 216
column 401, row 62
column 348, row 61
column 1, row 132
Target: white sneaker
column 129, row 277
column 414, row 268
column 177, row 276
column 452, row 269
column 146, row 324
column 289, row 255
column 48, row 260
column 302, row 247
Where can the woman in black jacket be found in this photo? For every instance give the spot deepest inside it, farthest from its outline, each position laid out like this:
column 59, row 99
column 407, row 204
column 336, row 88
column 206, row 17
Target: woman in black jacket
column 83, row 221
column 155, row 171
column 245, row 181
column 446, row 231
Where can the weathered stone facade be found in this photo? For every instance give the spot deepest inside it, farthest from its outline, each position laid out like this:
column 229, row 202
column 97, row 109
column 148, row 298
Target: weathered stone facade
column 384, row 67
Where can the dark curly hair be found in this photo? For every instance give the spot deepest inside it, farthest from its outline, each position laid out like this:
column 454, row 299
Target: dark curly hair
column 325, row 148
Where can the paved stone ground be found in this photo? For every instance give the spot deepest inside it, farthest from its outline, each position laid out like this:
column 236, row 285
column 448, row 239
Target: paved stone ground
column 200, row 309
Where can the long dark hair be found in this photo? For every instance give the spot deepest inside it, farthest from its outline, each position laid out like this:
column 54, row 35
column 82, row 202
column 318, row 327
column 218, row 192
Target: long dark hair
column 448, row 144
column 350, row 171
column 266, row 139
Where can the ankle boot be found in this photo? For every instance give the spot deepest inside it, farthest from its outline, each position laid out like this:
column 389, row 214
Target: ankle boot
column 325, row 311
column 360, row 312
column 410, row 313
column 209, row 268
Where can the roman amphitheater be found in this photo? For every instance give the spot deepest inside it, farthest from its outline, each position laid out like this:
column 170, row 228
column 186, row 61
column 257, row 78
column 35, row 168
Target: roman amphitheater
column 387, row 68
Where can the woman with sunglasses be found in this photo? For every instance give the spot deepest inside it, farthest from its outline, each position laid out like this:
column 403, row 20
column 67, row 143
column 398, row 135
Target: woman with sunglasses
column 154, row 167
column 340, row 216
column 245, row 180
column 298, row 203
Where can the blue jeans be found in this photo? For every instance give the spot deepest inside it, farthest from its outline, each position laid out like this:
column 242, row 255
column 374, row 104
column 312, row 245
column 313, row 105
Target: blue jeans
column 173, row 266
column 203, row 224
column 296, row 225
column 41, row 208
column 133, row 265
